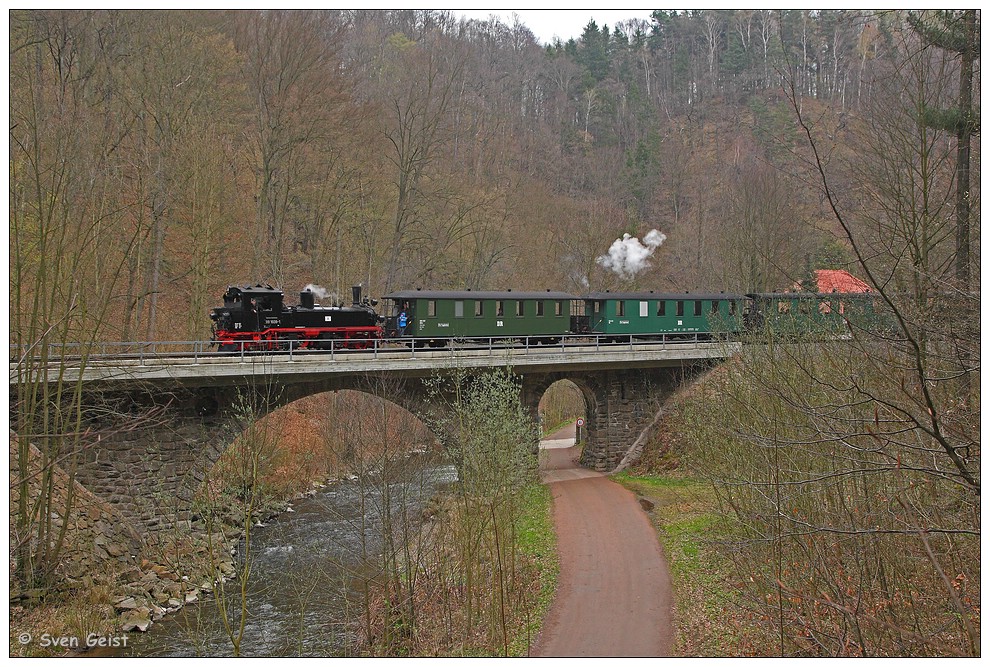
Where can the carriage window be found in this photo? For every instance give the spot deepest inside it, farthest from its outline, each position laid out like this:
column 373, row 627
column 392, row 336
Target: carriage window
column 558, row 308
column 732, row 308
column 500, row 308
column 519, row 308
column 680, row 309
column 479, row 308
column 661, row 308
column 783, row 306
column 697, row 309
column 620, row 308
column 458, row 309
column 714, row 307
column 804, row 306
column 598, row 307
column 539, row 309
column 644, row 308
column 431, row 308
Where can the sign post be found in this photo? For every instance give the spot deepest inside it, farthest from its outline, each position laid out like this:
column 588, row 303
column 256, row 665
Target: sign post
column 577, row 436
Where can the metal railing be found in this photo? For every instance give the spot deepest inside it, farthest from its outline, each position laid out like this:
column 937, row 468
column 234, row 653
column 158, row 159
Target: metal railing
column 292, row 350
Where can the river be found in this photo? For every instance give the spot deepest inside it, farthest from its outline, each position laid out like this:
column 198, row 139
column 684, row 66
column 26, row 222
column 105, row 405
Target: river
column 302, row 588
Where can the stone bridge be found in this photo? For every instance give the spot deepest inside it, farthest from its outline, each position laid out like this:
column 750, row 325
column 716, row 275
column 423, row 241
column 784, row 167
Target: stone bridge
column 186, row 409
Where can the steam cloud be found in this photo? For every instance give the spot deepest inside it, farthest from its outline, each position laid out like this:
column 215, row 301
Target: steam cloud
column 319, row 292
column 628, row 256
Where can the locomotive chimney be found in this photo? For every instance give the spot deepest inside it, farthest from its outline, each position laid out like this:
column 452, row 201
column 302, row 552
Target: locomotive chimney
column 306, row 299
column 356, row 292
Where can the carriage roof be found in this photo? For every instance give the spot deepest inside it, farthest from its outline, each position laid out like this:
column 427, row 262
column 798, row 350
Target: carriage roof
column 470, row 294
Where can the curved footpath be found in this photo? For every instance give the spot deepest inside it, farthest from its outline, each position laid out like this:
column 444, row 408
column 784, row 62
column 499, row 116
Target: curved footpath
column 613, row 594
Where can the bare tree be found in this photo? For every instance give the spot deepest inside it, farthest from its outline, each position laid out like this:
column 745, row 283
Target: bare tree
column 62, row 285
column 289, row 64
column 418, row 127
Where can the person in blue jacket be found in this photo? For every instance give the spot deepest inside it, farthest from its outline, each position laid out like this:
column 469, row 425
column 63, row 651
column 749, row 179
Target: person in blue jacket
column 402, row 322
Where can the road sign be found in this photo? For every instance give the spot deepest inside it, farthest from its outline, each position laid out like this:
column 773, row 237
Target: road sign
column 580, row 422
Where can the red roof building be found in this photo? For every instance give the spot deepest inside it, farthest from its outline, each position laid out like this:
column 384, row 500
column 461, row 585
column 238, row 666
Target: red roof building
column 834, row 280
column 837, row 280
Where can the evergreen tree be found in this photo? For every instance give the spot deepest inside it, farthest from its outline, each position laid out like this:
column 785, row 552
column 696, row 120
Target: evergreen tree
column 956, row 31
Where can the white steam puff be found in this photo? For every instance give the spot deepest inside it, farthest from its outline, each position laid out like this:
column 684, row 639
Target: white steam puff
column 628, row 256
column 318, row 292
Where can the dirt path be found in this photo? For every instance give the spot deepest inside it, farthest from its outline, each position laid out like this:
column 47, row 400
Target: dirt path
column 613, row 596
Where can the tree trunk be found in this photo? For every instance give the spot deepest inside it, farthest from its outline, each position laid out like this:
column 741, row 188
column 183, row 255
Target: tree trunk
column 964, row 134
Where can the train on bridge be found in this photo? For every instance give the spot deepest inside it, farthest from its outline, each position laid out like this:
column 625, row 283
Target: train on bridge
column 255, row 318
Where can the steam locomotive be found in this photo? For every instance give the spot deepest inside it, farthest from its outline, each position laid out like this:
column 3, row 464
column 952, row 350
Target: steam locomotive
column 255, row 318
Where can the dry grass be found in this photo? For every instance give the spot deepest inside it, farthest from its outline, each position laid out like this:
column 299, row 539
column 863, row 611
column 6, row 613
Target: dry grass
column 74, row 614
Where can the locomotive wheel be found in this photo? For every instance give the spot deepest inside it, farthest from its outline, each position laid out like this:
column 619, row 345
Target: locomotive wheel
column 324, row 342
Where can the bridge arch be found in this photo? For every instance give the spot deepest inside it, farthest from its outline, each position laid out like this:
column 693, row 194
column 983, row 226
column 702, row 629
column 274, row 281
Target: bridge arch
column 563, row 402
column 152, row 472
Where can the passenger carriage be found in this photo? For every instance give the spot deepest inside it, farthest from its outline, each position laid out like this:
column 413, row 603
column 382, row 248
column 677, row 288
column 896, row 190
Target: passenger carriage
column 650, row 314
column 435, row 317
column 812, row 313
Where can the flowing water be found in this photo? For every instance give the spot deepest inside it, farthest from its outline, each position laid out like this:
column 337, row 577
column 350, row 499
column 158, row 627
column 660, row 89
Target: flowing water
column 302, row 588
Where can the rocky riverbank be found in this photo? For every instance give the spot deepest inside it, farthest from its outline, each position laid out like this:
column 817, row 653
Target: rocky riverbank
column 110, row 580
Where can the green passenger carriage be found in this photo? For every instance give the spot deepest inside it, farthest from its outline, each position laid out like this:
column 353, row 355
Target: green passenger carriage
column 437, row 316
column 812, row 313
column 650, row 313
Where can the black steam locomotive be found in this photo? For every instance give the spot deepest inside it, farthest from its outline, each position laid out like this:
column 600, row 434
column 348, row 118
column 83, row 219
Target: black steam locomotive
column 255, row 318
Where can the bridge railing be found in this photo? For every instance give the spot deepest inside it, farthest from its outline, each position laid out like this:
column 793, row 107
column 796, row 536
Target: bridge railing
column 203, row 351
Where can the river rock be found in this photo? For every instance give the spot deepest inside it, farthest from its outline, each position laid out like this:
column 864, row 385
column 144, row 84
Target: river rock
column 136, row 619
column 127, row 602
column 192, row 596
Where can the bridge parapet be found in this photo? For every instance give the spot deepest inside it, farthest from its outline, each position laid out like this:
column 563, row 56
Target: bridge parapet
column 170, row 367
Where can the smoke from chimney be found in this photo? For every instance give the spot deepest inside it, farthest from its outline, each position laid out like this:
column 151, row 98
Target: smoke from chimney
column 628, row 256
column 319, row 292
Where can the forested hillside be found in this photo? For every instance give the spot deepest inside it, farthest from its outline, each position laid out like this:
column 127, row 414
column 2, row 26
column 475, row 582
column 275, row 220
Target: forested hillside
column 156, row 157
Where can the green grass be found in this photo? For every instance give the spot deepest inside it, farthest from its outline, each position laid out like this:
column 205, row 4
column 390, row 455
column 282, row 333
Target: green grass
column 643, row 483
